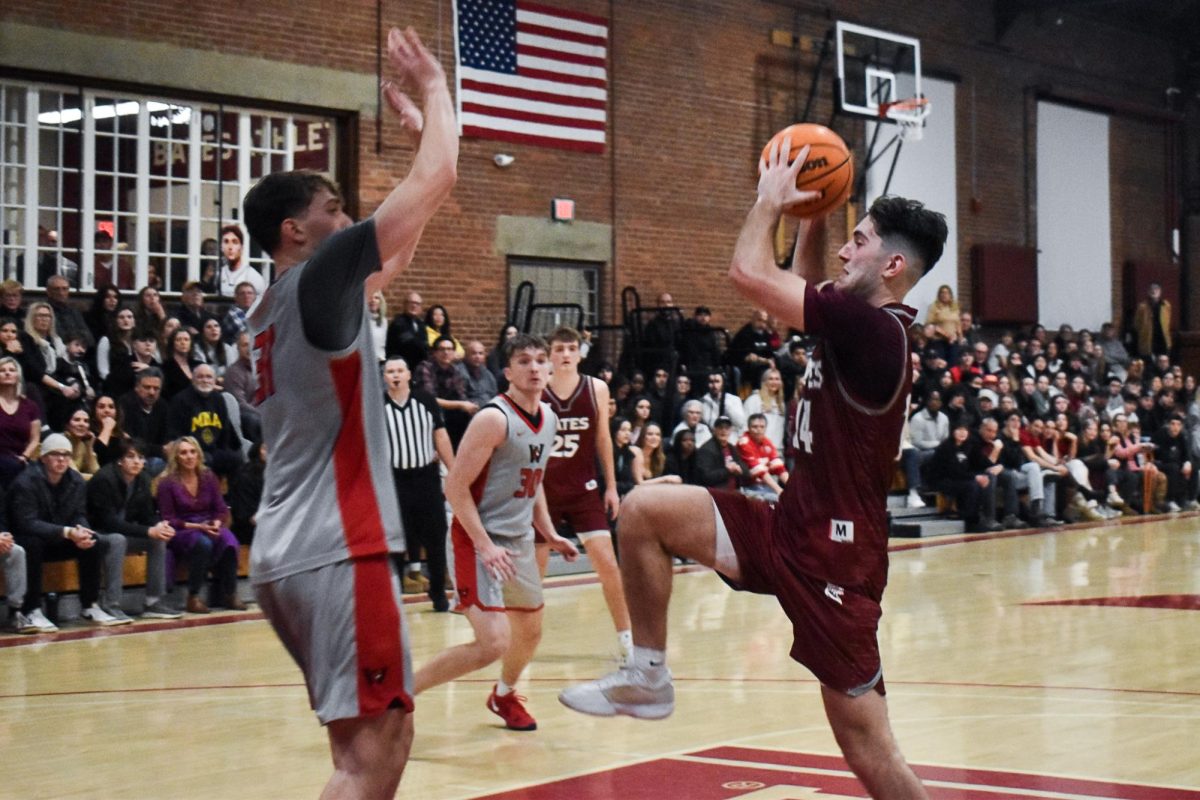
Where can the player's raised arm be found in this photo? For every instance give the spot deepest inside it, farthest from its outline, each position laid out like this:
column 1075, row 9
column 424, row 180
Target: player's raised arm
column 753, row 270
column 486, row 432
column 401, row 218
column 808, row 257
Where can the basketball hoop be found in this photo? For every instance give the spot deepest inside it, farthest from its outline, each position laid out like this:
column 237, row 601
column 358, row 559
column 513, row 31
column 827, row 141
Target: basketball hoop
column 909, row 114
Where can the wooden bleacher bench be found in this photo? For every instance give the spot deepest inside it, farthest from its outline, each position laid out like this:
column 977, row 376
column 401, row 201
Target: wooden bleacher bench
column 63, row 576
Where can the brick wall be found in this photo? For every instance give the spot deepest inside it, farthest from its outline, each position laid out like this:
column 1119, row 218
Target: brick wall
column 696, row 89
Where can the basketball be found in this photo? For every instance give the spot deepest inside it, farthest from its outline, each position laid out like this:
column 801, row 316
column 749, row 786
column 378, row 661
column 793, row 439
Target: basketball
column 828, row 170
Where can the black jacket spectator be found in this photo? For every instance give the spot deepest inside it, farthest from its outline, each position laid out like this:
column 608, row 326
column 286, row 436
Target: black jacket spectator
column 206, row 416
column 407, row 338
column 245, row 492
column 147, row 425
column 711, row 470
column 699, row 344
column 116, row 507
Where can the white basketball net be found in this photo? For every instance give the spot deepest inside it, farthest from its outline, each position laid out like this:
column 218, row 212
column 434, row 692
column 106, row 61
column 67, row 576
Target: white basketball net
column 910, row 117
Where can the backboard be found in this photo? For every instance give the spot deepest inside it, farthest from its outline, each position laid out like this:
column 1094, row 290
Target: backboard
column 875, row 68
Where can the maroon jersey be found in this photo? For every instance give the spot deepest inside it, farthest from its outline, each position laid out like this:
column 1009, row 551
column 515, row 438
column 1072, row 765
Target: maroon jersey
column 571, row 471
column 832, row 516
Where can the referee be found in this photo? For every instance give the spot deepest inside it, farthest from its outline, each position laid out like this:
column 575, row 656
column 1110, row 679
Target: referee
column 417, row 438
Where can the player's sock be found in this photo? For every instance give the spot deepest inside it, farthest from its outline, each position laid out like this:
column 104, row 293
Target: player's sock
column 646, row 658
column 625, row 639
column 502, row 688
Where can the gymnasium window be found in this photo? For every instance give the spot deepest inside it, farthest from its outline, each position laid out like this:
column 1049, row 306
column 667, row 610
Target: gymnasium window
column 136, row 184
column 558, row 282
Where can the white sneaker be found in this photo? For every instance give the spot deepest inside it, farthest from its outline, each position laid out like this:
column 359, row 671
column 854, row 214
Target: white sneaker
column 914, row 499
column 21, row 623
column 1173, row 507
column 1115, row 500
column 39, row 621
column 645, row 694
column 98, row 616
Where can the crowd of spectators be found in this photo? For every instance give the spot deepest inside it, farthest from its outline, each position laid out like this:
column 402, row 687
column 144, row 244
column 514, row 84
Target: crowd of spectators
column 131, row 428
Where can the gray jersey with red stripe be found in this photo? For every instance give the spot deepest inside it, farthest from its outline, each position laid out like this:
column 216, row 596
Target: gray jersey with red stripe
column 506, row 490
column 328, row 492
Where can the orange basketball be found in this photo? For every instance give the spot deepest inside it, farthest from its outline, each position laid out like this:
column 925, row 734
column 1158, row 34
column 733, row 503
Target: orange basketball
column 828, row 170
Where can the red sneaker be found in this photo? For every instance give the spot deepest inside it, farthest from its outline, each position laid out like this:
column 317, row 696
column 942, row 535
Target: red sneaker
column 508, row 707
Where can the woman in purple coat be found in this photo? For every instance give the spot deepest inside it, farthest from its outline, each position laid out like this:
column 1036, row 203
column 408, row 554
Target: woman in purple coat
column 189, row 497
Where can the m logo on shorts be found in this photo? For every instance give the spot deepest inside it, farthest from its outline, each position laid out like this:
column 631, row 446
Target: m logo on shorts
column 841, row 530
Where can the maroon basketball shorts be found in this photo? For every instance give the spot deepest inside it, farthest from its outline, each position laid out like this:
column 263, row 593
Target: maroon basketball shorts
column 834, row 628
column 583, row 512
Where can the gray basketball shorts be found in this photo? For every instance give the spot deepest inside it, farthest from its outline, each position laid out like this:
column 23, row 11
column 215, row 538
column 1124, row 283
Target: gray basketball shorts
column 476, row 586
column 344, row 626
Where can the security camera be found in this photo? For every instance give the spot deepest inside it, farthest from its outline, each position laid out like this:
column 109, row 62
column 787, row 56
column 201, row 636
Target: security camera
column 503, row 160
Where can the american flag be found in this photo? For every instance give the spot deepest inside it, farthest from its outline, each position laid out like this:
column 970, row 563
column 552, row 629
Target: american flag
column 531, row 74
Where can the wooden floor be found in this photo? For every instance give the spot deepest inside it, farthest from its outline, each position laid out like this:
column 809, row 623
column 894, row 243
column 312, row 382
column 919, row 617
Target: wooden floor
column 1060, row 664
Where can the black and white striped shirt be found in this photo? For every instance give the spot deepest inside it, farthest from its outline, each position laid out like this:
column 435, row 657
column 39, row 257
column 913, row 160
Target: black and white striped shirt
column 410, row 430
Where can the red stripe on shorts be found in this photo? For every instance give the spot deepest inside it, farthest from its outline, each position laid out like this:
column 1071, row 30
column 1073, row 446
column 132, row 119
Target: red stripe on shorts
column 378, row 642
column 362, row 525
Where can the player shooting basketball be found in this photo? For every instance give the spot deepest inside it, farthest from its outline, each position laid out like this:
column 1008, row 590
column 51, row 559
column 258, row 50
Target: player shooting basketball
column 822, row 552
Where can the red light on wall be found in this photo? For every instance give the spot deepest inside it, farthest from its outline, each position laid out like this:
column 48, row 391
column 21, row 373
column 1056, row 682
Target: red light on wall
column 107, row 227
column 562, row 209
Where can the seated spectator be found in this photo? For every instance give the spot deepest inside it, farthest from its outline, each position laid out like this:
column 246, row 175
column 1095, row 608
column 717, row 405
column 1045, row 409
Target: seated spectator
column 495, row 358
column 119, row 501
column 437, row 326
column 17, row 344
column 654, row 458
column 79, row 434
column 125, row 369
column 659, row 392
column 148, row 313
column 793, row 367
column 11, row 305
column 681, row 461
column 115, row 346
column 212, row 350
column 958, row 468
column 20, row 423
column 245, row 297
column 752, row 351
column 191, row 312
column 245, row 493
column 699, row 345
column 957, row 409
column 407, row 336
column 68, row 319
column 966, row 367
column 439, row 377
column 205, row 412
column 717, row 402
column 627, row 459
column 929, row 427
column 178, row 363
column 102, row 311
column 640, row 414
column 106, row 429
column 1020, row 472
column 660, row 336
column 12, row 563
column 718, row 464
column 241, row 384
column 771, row 402
column 142, row 414
column 189, row 499
column 480, row 382
column 47, row 508
column 692, row 421
column 767, row 473
column 73, row 373
column 1172, row 456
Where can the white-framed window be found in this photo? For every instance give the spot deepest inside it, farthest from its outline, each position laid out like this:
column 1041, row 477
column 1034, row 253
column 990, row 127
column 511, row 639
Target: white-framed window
column 133, row 189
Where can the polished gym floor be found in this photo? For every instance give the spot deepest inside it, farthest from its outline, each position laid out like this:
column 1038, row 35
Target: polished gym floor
column 1034, row 664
